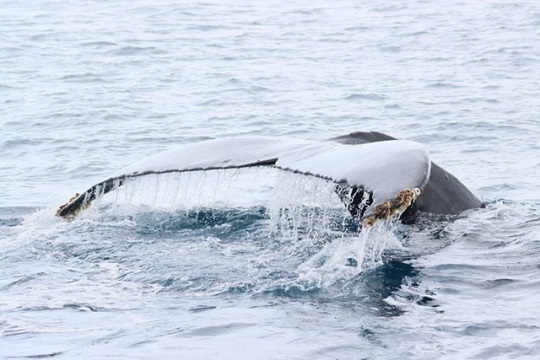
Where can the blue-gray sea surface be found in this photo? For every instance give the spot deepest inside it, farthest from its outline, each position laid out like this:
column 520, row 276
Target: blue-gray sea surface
column 234, row 268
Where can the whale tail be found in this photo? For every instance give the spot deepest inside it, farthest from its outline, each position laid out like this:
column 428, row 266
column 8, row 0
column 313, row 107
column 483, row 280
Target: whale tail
column 374, row 180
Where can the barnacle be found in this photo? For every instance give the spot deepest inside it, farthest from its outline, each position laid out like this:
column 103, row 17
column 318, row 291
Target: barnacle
column 388, row 209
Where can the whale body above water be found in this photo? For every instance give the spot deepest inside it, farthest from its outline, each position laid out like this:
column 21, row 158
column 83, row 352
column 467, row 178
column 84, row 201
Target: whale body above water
column 376, row 176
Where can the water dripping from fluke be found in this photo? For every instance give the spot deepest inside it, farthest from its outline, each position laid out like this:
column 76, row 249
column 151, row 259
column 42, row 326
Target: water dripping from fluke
column 299, row 217
column 349, row 255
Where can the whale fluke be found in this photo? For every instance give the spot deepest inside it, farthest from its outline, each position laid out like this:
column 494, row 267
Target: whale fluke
column 376, row 176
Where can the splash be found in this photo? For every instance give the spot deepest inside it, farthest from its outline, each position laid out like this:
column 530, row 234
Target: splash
column 306, row 212
column 350, row 255
column 198, row 234
column 302, row 212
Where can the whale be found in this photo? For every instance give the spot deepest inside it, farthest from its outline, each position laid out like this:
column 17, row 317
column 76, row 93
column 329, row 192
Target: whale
column 375, row 176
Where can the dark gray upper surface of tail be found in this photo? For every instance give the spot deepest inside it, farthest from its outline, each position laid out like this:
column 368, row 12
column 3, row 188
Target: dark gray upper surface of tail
column 444, row 193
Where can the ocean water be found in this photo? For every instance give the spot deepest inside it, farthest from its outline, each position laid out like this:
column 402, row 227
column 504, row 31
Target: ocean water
column 254, row 264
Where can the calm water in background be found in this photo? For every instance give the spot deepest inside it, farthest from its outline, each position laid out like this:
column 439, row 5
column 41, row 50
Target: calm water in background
column 89, row 87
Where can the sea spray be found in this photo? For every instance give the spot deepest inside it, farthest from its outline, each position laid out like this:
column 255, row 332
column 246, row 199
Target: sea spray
column 376, row 239
column 305, row 218
column 349, row 255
